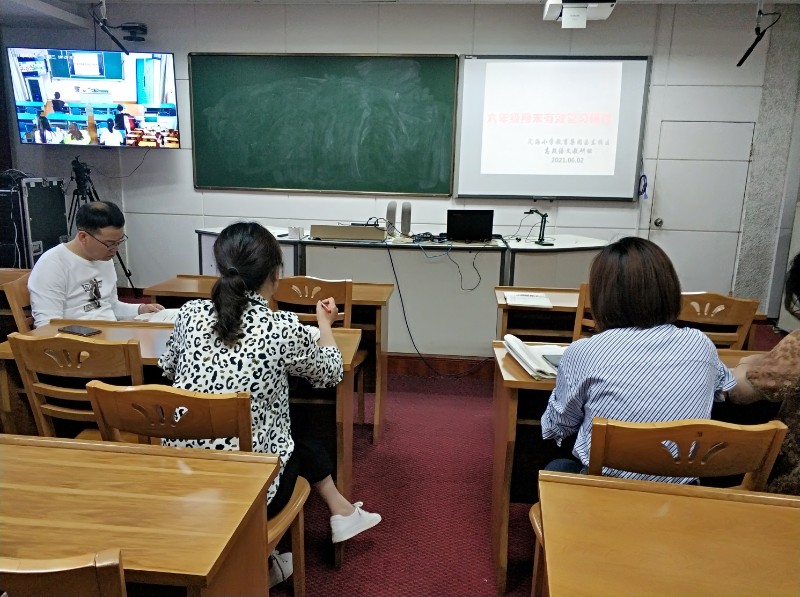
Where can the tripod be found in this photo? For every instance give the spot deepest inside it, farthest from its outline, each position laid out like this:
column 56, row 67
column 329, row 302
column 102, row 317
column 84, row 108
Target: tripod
column 84, row 193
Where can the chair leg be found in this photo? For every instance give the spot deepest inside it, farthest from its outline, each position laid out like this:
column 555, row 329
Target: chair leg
column 299, row 555
column 338, row 555
column 360, row 389
column 539, row 582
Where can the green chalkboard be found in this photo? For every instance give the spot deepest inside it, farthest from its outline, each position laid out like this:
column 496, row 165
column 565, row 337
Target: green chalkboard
column 338, row 123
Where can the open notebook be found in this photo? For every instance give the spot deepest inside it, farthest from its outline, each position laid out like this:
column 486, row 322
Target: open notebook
column 540, row 361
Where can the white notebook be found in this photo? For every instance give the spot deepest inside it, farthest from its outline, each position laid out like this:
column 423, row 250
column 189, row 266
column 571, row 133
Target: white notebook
column 528, row 299
column 532, row 358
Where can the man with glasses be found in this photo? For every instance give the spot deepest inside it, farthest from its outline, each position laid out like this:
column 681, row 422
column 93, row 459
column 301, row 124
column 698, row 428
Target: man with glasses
column 77, row 280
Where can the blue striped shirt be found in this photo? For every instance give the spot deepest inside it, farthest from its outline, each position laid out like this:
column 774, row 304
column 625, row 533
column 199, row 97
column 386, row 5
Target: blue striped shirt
column 636, row 375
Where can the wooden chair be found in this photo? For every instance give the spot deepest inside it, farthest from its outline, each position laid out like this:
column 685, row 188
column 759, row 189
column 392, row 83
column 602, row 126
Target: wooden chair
column 156, row 411
column 70, row 357
column 92, row 575
column 689, row 448
column 301, row 293
column 584, row 322
column 19, row 301
column 724, row 319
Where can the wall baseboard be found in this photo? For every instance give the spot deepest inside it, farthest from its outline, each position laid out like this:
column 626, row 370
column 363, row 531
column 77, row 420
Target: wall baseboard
column 477, row 368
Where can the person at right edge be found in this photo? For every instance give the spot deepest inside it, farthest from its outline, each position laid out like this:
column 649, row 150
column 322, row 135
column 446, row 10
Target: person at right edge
column 236, row 343
column 775, row 376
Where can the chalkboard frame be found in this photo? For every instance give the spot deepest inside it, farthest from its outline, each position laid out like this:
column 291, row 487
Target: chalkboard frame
column 444, row 185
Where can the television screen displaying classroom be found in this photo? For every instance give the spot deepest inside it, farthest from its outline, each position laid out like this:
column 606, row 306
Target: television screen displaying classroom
column 568, row 127
column 94, row 97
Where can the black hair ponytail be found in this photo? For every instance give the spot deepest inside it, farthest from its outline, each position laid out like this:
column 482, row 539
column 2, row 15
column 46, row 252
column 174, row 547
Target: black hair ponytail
column 246, row 254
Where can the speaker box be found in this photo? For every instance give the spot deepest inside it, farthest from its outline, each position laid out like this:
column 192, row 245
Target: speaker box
column 405, row 218
column 36, row 220
column 391, row 217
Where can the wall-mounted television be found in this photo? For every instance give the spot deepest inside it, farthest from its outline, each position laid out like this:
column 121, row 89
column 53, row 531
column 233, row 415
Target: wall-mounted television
column 94, row 97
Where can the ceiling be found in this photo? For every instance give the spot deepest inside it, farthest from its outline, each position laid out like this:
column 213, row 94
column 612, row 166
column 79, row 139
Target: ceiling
column 73, row 13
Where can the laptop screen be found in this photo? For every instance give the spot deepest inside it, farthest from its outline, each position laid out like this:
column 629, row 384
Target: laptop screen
column 471, row 225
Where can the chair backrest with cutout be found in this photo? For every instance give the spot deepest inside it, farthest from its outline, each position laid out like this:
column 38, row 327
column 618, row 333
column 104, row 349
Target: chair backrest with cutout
column 73, row 357
column 19, row 301
column 726, row 320
column 170, row 413
column 90, row 575
column 301, row 293
column 688, row 448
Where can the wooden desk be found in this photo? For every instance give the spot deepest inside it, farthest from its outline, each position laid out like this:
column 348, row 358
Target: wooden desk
column 370, row 312
column 546, row 325
column 192, row 518
column 152, row 343
column 653, row 539
column 510, row 377
column 556, row 324
column 9, row 274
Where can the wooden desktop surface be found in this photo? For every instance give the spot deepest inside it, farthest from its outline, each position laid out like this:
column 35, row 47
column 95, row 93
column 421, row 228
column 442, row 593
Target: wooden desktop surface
column 510, row 377
column 152, row 343
column 9, row 274
column 195, row 518
column 562, row 299
column 372, row 295
column 191, row 286
column 607, row 536
column 153, row 337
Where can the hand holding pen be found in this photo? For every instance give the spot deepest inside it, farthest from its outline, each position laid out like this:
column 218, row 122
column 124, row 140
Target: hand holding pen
column 327, row 311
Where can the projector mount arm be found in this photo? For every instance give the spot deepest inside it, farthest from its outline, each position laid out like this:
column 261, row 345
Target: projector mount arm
column 103, row 23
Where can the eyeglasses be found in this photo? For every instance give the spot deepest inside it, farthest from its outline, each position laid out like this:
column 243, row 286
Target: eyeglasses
column 108, row 244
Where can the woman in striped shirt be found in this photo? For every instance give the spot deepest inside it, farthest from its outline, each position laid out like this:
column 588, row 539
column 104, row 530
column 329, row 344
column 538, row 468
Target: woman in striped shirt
column 640, row 367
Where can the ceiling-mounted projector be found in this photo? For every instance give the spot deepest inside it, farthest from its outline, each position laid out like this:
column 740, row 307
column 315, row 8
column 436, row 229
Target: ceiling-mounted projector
column 573, row 14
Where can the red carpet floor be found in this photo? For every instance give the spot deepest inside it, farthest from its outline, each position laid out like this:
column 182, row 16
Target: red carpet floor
column 430, row 479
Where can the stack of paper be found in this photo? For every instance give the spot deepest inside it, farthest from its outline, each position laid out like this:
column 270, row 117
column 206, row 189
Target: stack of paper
column 528, row 299
column 534, row 358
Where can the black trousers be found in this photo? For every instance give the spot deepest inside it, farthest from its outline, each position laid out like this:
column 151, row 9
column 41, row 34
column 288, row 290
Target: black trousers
column 310, row 459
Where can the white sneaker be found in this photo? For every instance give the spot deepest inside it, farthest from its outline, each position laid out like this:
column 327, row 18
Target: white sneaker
column 280, row 567
column 347, row 527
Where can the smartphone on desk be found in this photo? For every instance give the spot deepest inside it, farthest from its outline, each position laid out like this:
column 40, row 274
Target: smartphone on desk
column 79, row 330
column 553, row 359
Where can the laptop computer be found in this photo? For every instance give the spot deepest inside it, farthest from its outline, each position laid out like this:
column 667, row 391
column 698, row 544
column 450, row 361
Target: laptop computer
column 470, row 225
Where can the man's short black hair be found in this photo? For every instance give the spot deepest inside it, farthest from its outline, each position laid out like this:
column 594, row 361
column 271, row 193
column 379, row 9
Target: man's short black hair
column 95, row 215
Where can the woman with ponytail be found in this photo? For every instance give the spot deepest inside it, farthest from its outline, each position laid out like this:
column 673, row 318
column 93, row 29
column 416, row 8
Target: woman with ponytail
column 236, row 343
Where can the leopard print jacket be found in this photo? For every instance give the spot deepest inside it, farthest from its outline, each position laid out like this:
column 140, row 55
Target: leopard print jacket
column 272, row 346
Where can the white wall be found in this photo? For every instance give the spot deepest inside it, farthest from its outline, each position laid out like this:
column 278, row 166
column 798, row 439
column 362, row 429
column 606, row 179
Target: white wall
column 694, row 77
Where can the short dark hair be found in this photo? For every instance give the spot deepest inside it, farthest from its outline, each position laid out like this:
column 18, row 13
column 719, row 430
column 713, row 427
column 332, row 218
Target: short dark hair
column 57, row 95
column 791, row 299
column 110, row 124
column 632, row 283
column 95, row 215
column 246, row 254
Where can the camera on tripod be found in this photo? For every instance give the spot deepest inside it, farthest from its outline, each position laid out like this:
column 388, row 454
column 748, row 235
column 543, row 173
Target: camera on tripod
column 80, row 173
